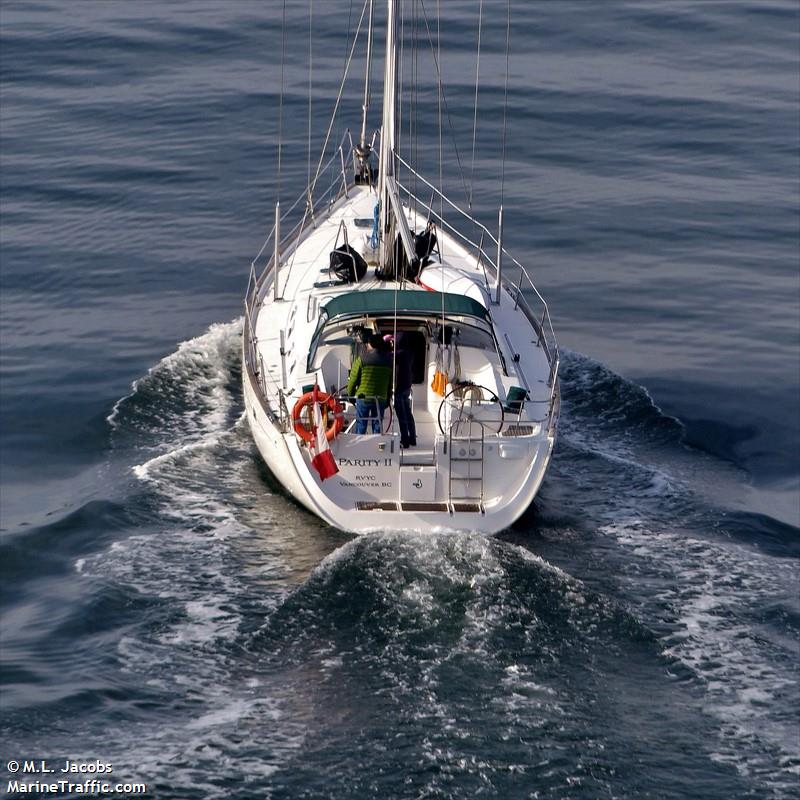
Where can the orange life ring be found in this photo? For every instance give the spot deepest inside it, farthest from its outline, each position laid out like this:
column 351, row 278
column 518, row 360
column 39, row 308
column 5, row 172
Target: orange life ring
column 331, row 410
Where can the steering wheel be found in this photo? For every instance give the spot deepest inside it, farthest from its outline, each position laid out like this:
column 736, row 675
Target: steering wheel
column 468, row 403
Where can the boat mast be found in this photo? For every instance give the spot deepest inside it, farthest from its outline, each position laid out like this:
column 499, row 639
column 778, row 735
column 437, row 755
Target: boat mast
column 388, row 129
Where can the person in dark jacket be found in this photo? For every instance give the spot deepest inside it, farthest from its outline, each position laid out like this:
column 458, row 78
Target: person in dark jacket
column 371, row 381
column 402, row 391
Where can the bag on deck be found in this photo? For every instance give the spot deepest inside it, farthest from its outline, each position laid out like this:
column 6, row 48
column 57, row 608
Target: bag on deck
column 347, row 264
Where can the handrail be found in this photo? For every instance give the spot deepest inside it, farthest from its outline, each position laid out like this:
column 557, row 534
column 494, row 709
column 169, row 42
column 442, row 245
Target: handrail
column 310, row 201
column 449, row 202
column 257, row 281
column 522, row 293
column 542, row 323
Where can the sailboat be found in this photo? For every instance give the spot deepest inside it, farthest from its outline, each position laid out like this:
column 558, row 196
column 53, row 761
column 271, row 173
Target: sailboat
column 380, row 258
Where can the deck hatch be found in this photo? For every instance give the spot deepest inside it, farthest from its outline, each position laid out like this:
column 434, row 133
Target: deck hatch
column 519, row 430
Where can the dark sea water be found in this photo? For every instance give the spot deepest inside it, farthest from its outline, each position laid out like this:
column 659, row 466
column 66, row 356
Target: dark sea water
column 168, row 610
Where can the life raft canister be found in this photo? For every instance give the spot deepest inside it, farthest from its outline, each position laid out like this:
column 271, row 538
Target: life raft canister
column 332, row 416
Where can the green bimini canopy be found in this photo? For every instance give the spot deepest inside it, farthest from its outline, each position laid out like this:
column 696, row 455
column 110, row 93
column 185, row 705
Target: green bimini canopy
column 382, row 301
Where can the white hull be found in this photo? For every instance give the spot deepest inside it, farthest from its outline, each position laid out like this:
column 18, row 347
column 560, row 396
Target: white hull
column 290, row 466
column 483, row 484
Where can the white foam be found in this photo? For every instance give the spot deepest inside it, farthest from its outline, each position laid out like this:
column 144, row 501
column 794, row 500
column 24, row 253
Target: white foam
column 197, row 372
column 179, row 752
column 203, row 563
column 232, row 712
column 145, row 470
column 206, row 622
column 476, row 570
column 711, row 589
column 187, row 656
column 586, row 380
column 111, row 419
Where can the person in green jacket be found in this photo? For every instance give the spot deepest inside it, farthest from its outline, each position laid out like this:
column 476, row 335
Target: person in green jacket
column 371, row 380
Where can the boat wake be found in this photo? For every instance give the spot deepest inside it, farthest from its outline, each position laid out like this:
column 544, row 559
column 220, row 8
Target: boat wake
column 186, row 399
column 718, row 585
column 263, row 616
column 423, row 645
column 725, row 611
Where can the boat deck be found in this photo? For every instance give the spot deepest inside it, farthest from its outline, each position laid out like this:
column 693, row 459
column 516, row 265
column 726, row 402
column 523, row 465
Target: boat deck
column 295, row 315
column 497, row 469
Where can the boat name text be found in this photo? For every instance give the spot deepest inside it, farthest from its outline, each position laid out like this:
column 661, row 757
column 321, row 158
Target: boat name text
column 365, row 462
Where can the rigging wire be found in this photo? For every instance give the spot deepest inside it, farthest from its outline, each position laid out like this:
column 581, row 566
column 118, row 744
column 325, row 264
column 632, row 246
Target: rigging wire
column 475, row 111
column 349, row 21
column 280, row 102
column 505, row 106
column 310, row 84
column 437, row 55
column 398, row 278
column 338, row 97
column 444, row 101
column 415, row 99
column 399, row 73
column 312, row 186
column 438, row 58
column 367, row 83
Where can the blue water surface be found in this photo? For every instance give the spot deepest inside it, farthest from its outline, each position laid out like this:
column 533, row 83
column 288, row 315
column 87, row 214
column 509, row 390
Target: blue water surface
column 167, row 609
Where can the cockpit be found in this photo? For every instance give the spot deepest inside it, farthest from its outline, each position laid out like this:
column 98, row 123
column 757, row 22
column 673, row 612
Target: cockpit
column 450, row 338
